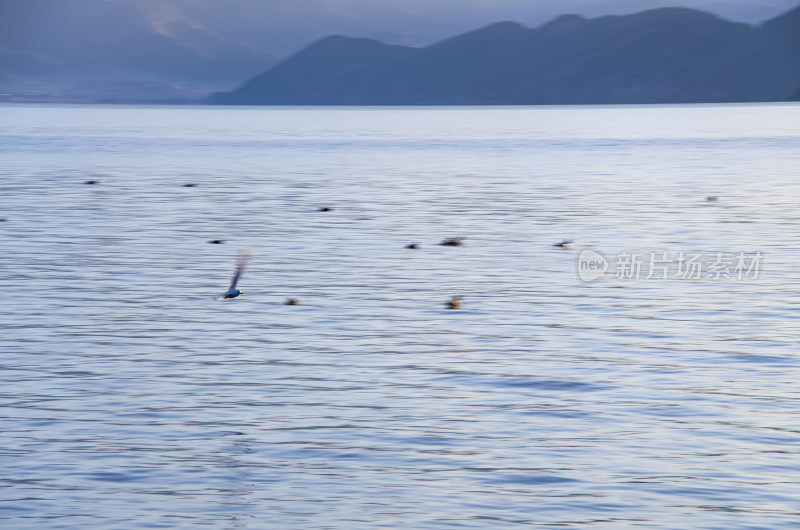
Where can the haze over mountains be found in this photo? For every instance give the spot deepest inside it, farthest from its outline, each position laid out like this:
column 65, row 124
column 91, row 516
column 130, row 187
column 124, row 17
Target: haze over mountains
column 181, row 50
column 667, row 55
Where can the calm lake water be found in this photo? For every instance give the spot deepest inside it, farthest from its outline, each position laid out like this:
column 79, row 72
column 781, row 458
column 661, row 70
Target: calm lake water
column 133, row 398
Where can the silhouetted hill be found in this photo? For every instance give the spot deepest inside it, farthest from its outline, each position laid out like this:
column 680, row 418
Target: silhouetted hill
column 779, row 55
column 666, row 55
column 329, row 65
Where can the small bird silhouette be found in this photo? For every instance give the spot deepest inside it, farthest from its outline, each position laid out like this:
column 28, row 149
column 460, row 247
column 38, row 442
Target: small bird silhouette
column 452, row 242
column 564, row 244
column 291, row 301
column 241, row 262
column 325, row 209
column 412, row 245
column 454, row 303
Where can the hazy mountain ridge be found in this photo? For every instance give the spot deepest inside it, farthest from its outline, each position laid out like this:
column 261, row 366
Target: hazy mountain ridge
column 123, row 50
column 666, row 55
column 151, row 50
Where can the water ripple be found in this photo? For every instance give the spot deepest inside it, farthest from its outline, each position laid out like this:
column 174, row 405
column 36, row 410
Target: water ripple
column 132, row 398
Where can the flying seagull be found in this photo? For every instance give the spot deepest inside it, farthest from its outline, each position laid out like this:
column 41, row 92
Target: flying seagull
column 241, row 261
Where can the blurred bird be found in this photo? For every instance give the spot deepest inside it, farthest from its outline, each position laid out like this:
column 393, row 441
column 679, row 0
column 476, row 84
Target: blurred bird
column 712, row 198
column 564, row 244
column 241, row 262
column 454, row 303
column 291, row 301
column 452, row 242
column 412, row 245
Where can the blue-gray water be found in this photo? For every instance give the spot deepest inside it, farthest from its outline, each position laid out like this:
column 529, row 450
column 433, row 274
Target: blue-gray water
column 132, row 398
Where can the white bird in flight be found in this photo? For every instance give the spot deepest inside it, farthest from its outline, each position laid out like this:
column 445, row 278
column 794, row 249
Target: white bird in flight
column 241, row 261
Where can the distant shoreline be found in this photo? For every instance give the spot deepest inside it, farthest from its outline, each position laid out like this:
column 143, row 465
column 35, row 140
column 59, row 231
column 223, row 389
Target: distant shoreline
column 203, row 103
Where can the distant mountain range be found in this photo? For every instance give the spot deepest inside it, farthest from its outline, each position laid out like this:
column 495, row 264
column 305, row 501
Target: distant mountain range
column 181, row 50
column 122, row 50
column 667, row 55
column 152, row 51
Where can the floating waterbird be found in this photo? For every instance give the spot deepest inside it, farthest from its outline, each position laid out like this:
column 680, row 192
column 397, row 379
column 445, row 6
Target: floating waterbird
column 241, row 262
column 412, row 245
column 189, row 185
column 712, row 198
column 564, row 244
column 325, row 209
column 91, row 182
column 217, row 241
column 454, row 303
column 452, row 241
column 291, row 301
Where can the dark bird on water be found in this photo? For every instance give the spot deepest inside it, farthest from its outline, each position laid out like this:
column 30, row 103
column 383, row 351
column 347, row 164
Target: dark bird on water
column 454, row 303
column 452, row 242
column 412, row 245
column 91, row 182
column 189, row 185
column 564, row 244
column 241, row 262
column 291, row 301
column 325, row 209
column 217, row 241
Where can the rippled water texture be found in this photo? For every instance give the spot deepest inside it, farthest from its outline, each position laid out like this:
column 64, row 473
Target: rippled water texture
column 132, row 398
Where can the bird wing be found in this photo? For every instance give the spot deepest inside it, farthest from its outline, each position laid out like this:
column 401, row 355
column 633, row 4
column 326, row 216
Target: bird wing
column 241, row 263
